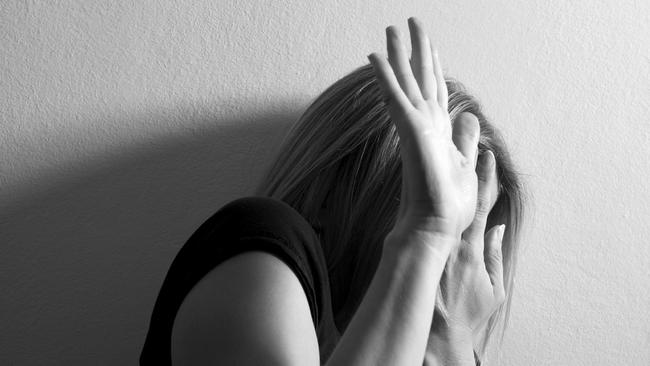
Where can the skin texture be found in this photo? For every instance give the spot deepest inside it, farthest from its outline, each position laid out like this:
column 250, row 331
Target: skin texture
column 251, row 308
column 439, row 188
column 439, row 184
column 472, row 283
column 232, row 316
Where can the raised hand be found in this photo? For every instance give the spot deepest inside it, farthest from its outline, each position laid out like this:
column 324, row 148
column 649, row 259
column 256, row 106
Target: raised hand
column 439, row 183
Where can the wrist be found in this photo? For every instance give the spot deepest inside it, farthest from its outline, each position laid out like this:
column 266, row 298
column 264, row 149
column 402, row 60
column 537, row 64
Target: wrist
column 438, row 226
column 456, row 334
column 438, row 242
column 451, row 346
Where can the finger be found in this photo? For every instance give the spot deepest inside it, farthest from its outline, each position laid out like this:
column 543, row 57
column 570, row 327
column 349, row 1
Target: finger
column 485, row 199
column 465, row 134
column 494, row 261
column 442, row 93
column 421, row 59
column 399, row 61
column 389, row 84
column 399, row 101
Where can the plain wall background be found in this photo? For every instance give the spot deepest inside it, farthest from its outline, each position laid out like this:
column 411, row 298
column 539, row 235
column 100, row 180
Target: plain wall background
column 125, row 124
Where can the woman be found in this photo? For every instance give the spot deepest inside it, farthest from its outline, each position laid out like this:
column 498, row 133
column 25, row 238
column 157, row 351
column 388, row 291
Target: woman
column 335, row 261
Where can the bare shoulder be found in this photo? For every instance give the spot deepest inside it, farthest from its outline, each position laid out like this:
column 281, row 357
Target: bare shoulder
column 249, row 310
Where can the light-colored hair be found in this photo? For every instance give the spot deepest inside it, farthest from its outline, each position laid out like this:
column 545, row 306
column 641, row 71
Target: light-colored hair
column 343, row 153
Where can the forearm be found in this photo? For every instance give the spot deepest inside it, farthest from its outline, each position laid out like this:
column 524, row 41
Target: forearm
column 391, row 325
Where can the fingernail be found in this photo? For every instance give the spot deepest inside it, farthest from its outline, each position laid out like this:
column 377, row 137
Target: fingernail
column 487, row 158
column 502, row 229
column 390, row 30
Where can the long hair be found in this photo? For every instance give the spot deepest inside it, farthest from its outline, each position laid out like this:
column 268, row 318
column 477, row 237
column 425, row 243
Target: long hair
column 343, row 154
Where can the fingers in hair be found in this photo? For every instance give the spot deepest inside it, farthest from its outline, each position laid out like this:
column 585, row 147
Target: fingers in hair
column 485, row 200
column 494, row 261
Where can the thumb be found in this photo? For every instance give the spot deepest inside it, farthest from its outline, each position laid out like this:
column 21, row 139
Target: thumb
column 494, row 260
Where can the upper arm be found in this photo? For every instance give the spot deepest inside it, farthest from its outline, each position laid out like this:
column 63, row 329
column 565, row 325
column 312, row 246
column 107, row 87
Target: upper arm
column 249, row 310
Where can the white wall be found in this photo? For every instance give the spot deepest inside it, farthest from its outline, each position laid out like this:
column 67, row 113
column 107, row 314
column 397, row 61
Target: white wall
column 125, row 124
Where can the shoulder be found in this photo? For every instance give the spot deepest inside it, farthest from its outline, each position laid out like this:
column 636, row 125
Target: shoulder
column 264, row 214
column 272, row 225
column 265, row 223
column 265, row 287
column 249, row 310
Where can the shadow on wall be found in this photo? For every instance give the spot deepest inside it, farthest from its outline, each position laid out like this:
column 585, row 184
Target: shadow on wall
column 82, row 258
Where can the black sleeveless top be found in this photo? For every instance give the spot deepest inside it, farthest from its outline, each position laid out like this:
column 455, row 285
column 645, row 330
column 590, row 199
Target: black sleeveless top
column 245, row 224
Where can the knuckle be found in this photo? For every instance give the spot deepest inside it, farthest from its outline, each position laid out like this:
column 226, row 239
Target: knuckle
column 402, row 74
column 468, row 256
column 495, row 256
column 419, row 103
column 483, row 178
column 483, row 206
column 425, row 67
column 464, row 254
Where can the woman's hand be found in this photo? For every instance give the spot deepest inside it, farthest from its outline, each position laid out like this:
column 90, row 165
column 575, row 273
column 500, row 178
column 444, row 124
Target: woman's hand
column 472, row 284
column 439, row 183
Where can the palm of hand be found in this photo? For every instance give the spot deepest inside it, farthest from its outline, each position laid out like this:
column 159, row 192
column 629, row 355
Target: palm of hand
column 455, row 191
column 438, row 179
